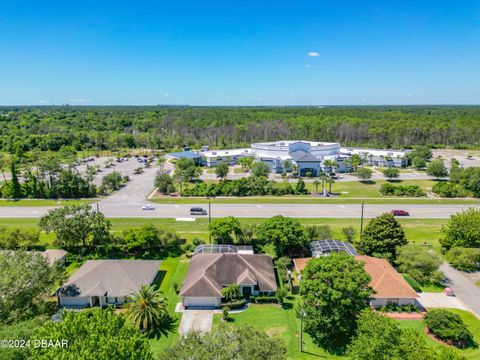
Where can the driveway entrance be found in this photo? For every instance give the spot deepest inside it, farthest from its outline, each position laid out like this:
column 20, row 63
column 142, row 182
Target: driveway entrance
column 196, row 320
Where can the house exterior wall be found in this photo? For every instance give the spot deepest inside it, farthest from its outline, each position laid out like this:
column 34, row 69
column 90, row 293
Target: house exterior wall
column 74, row 301
column 379, row 302
column 85, row 301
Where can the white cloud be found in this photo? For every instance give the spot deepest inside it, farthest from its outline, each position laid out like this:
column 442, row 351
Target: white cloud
column 81, row 101
column 43, row 102
column 308, row 65
column 166, row 94
column 313, row 54
column 410, row 95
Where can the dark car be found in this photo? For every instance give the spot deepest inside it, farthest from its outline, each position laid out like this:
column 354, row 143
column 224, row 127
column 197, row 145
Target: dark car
column 198, row 211
column 399, row 213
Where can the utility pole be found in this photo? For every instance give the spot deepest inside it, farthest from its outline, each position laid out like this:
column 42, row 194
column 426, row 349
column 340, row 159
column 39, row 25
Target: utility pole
column 361, row 221
column 209, row 221
column 209, row 212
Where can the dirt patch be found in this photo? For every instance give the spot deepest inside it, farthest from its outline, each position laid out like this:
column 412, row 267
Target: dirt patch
column 272, row 331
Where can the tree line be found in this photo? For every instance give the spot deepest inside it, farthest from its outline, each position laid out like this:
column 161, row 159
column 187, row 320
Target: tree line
column 98, row 128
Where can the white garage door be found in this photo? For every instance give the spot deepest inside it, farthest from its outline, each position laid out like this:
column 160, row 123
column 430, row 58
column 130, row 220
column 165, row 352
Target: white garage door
column 201, row 302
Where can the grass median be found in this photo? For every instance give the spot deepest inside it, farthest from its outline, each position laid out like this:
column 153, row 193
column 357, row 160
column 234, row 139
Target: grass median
column 419, row 231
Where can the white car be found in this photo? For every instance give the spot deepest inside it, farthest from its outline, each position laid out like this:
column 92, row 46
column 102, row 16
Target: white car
column 148, row 207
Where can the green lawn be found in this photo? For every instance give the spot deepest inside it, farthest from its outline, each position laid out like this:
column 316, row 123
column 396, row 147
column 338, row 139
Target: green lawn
column 281, row 322
column 277, row 321
column 45, row 202
column 418, row 231
column 470, row 320
column 172, row 270
column 307, row 199
column 350, row 192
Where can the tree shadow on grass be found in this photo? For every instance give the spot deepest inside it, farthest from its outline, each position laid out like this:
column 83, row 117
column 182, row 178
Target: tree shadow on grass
column 368, row 182
column 169, row 325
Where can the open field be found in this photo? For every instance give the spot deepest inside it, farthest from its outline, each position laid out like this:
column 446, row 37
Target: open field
column 418, row 231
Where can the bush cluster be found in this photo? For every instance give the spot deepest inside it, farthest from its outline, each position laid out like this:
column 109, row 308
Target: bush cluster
column 449, row 190
column 234, row 305
column 401, row 190
column 399, row 308
column 249, row 186
column 466, row 259
column 412, row 282
column 264, row 299
column 449, row 327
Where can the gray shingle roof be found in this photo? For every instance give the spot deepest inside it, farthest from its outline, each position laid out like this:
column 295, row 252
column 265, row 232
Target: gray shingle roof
column 112, row 277
column 301, row 155
column 208, row 273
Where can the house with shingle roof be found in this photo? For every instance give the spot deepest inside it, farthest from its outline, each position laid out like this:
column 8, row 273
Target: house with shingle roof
column 389, row 286
column 208, row 274
column 106, row 282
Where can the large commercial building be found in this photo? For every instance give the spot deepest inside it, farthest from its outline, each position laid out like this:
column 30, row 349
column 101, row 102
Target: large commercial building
column 309, row 157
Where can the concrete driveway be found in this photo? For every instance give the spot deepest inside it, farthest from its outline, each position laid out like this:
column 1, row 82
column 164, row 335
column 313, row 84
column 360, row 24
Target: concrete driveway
column 196, row 320
column 440, row 300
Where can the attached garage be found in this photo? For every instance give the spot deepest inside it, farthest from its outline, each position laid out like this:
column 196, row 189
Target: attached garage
column 201, row 302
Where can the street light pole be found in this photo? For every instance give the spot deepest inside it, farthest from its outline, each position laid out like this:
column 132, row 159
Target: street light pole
column 361, row 221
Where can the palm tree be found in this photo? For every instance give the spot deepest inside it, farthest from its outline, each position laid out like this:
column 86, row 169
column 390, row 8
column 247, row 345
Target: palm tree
column 161, row 162
column 316, row 183
column 328, row 164
column 146, row 308
column 330, row 181
column 323, row 177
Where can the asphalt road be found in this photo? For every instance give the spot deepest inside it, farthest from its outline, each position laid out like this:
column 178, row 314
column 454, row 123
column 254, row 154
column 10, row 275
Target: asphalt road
column 465, row 289
column 121, row 206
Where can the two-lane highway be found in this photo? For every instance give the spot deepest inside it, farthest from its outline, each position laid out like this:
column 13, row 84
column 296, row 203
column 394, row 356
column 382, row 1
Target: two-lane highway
column 113, row 209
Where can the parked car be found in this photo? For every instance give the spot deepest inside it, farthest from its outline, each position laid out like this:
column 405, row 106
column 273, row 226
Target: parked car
column 198, row 211
column 399, row 213
column 148, row 207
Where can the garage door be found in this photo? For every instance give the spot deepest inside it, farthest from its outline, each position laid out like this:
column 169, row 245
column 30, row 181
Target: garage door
column 201, row 302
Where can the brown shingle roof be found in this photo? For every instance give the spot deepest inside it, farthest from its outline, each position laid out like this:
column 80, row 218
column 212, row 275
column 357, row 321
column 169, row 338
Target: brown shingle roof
column 208, row 273
column 386, row 281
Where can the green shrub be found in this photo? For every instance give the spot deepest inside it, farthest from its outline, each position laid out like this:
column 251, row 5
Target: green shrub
column 449, row 190
column 399, row 308
column 401, row 190
column 264, row 299
column 234, row 305
column 466, row 259
column 225, row 313
column 449, row 327
column 412, row 282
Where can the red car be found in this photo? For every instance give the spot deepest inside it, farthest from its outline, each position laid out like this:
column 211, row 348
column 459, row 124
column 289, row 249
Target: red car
column 399, row 213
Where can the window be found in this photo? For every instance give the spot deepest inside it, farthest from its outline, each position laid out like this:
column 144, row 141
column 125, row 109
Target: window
column 392, row 301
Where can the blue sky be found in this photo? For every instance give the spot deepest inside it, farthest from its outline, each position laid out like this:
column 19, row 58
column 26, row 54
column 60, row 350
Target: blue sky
column 239, row 52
